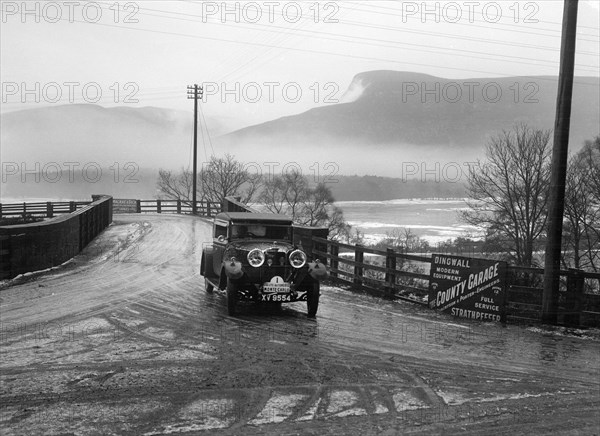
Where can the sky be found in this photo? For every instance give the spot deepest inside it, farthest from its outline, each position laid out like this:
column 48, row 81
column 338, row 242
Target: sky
column 265, row 59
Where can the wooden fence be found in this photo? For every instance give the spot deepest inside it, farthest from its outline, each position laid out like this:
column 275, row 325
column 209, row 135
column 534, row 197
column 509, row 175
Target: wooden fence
column 395, row 275
column 46, row 209
column 204, row 208
column 50, row 209
column 37, row 246
column 386, row 273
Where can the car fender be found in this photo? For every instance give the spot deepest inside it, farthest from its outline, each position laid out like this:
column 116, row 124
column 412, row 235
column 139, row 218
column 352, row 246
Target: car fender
column 206, row 264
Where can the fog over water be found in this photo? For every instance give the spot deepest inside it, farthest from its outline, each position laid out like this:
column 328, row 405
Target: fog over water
column 432, row 220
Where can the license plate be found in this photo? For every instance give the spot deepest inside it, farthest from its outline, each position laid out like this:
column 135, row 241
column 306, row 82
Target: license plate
column 276, row 297
column 276, row 288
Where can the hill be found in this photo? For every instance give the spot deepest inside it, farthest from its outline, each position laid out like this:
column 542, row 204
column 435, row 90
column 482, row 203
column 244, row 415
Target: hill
column 84, row 133
column 401, row 117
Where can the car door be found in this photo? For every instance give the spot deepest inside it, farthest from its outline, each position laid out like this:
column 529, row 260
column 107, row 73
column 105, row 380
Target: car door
column 220, row 241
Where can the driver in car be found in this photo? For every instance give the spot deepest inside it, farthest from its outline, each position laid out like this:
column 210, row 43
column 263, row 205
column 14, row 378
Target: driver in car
column 242, row 232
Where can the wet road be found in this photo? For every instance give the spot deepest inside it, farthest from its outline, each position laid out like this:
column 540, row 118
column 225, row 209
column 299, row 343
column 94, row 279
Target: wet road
column 124, row 340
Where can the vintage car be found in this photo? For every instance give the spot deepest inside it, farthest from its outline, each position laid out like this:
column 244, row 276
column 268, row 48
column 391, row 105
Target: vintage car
column 253, row 258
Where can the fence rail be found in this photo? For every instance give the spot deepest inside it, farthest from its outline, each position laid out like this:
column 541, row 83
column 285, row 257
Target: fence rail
column 50, row 209
column 46, row 209
column 395, row 275
column 205, row 208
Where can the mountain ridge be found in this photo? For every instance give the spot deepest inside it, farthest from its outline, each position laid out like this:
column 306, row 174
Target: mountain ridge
column 395, row 107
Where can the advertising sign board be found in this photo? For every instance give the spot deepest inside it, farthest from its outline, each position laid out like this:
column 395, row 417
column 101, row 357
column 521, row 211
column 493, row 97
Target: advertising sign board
column 124, row 205
column 467, row 287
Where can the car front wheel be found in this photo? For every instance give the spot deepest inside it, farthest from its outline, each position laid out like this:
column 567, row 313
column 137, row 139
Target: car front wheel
column 312, row 300
column 232, row 289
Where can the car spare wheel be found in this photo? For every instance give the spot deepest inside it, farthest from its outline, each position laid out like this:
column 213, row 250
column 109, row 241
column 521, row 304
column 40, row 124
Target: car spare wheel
column 208, row 286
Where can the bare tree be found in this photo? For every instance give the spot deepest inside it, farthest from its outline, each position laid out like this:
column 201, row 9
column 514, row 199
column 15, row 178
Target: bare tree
column 272, row 195
column 581, row 235
column 175, row 186
column 220, row 178
column 286, row 193
column 290, row 194
column 591, row 151
column 340, row 230
column 225, row 177
column 406, row 240
column 315, row 208
column 509, row 191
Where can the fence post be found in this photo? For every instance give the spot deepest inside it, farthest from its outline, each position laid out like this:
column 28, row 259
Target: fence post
column 49, row 209
column 0, row 210
column 335, row 251
column 138, row 206
column 390, row 277
column 24, row 210
column 575, row 282
column 208, row 213
column 158, row 206
column 359, row 256
column 179, row 206
column 72, row 207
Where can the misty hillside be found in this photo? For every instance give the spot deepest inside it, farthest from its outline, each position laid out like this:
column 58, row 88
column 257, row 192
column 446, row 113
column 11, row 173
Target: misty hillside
column 126, row 182
column 148, row 136
column 390, row 119
column 373, row 188
column 383, row 130
column 140, row 183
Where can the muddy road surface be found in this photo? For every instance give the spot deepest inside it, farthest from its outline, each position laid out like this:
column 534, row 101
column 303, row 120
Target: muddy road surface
column 124, row 340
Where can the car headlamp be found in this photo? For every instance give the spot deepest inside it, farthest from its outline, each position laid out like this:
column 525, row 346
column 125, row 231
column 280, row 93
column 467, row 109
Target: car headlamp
column 297, row 258
column 256, row 257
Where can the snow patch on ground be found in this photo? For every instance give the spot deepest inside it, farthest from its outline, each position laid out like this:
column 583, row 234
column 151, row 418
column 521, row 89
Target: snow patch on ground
column 311, row 412
column 455, row 399
column 590, row 334
column 185, row 354
column 278, row 408
column 159, row 333
column 341, row 402
column 202, row 415
column 406, row 401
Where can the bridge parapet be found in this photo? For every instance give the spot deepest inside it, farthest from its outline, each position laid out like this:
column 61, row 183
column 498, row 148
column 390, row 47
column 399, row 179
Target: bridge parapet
column 36, row 246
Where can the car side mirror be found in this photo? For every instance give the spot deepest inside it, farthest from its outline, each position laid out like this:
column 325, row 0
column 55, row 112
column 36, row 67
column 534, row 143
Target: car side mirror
column 221, row 238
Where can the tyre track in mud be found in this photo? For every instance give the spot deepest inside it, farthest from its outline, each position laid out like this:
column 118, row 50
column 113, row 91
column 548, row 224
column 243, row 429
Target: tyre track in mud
column 144, row 350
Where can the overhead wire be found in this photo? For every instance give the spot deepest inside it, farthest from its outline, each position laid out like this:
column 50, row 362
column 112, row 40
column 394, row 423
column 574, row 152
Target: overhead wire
column 471, row 20
column 303, row 50
column 417, row 47
column 205, row 124
column 271, row 47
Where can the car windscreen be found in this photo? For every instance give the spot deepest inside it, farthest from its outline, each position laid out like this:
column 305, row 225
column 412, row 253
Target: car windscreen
column 261, row 231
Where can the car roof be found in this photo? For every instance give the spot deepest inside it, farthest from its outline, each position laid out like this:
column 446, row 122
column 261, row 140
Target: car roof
column 239, row 217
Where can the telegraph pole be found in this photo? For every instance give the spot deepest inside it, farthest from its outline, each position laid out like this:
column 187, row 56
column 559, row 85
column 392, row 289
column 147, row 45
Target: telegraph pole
column 560, row 148
column 195, row 92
